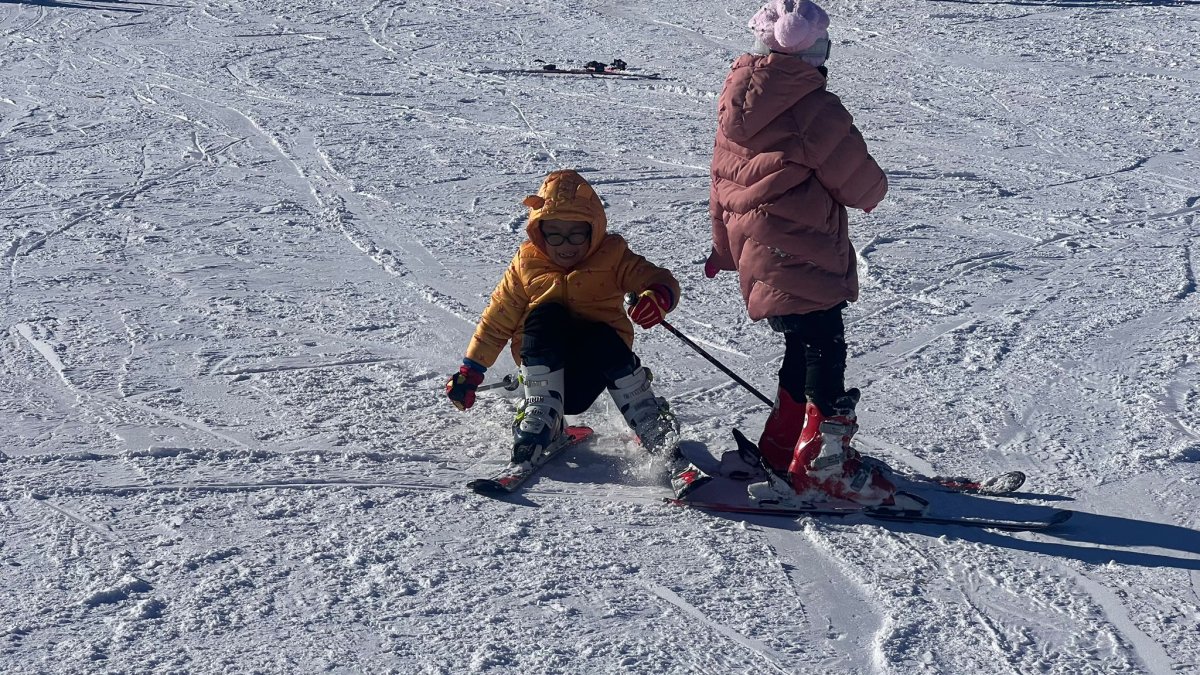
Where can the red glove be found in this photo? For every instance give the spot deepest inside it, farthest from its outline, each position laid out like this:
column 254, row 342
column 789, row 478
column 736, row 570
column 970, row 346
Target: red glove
column 710, row 268
column 710, row 265
column 461, row 386
column 652, row 306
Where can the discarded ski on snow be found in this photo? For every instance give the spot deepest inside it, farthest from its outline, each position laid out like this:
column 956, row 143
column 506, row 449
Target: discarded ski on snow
column 592, row 69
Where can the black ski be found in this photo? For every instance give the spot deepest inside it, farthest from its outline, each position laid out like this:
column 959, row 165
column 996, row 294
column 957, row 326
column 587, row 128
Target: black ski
column 844, row 509
column 592, row 69
column 510, row 477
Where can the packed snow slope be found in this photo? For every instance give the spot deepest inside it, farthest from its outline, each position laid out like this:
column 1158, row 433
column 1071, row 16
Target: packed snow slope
column 244, row 243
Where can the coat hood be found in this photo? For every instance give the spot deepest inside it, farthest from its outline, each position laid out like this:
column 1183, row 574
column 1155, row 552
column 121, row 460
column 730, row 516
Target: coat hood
column 565, row 195
column 761, row 88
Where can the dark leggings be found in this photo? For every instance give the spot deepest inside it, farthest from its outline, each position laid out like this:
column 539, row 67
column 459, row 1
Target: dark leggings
column 593, row 354
column 814, row 360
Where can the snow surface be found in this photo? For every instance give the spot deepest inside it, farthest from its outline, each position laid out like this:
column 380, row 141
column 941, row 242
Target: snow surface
column 245, row 242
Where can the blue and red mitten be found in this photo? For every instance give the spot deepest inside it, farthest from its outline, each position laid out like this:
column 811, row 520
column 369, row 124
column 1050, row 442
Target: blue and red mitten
column 461, row 386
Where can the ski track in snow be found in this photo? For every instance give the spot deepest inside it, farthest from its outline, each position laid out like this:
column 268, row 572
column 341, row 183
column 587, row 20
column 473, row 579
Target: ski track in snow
column 773, row 661
column 244, row 244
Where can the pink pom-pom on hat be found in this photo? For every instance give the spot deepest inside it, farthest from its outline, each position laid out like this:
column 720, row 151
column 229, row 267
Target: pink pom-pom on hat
column 790, row 26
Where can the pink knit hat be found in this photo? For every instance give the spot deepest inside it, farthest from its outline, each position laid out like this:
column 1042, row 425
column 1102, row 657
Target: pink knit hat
column 791, row 26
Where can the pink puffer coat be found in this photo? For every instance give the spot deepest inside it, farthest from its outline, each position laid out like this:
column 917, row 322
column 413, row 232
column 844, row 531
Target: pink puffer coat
column 787, row 162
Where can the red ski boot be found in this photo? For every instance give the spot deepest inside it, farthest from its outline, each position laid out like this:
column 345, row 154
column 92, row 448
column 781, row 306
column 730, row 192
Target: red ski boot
column 781, row 432
column 825, row 461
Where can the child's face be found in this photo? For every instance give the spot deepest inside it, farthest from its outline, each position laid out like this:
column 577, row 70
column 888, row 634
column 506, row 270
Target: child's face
column 567, row 241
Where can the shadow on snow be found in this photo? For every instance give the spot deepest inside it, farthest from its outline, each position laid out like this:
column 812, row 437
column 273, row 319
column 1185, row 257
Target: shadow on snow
column 1088, row 537
column 1092, row 538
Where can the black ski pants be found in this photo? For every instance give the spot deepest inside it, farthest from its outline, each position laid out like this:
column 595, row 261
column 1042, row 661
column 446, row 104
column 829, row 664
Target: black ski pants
column 814, row 359
column 592, row 353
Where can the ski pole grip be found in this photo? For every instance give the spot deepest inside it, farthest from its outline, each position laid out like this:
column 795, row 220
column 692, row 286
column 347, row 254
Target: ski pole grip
column 631, row 299
column 508, row 383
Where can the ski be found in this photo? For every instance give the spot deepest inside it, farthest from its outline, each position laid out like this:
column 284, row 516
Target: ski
column 998, row 485
column 844, row 509
column 995, row 486
column 510, row 477
column 592, row 69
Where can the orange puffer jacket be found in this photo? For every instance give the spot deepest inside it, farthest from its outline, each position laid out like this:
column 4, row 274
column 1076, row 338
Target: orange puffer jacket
column 593, row 290
column 787, row 162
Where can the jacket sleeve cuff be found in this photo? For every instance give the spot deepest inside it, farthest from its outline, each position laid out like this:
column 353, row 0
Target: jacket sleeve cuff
column 666, row 290
column 474, row 365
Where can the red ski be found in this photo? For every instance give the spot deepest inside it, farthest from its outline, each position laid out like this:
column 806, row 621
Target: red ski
column 510, row 477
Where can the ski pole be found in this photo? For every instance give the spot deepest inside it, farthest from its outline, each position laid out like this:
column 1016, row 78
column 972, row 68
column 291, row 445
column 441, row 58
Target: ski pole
column 509, row 383
column 631, row 299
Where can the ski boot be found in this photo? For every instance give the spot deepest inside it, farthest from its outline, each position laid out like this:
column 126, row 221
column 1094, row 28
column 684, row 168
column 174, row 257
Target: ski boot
column 781, row 431
column 539, row 421
column 825, row 460
column 648, row 416
column 824, row 464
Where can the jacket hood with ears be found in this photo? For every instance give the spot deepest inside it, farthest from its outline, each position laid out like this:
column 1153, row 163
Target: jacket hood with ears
column 565, row 195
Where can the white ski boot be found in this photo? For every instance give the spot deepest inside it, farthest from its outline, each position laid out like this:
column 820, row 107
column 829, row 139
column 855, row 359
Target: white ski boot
column 539, row 421
column 648, row 416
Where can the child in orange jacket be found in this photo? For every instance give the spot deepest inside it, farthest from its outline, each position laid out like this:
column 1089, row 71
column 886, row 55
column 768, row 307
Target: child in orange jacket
column 561, row 305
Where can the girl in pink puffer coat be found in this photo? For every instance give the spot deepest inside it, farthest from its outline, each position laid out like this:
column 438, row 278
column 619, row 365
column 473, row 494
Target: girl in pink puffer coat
column 787, row 163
